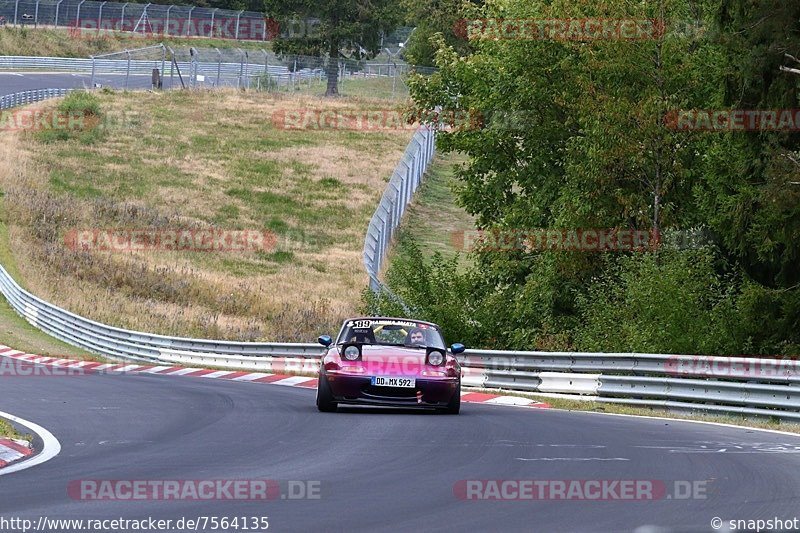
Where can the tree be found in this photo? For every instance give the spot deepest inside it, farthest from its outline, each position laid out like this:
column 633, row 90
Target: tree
column 431, row 17
column 333, row 25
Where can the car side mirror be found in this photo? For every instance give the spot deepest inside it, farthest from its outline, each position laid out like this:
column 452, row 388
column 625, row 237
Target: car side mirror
column 325, row 340
column 457, row 348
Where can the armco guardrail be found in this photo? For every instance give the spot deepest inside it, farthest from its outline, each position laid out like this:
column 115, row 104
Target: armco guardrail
column 745, row 386
column 726, row 385
column 28, row 97
column 405, row 180
column 123, row 66
column 103, row 339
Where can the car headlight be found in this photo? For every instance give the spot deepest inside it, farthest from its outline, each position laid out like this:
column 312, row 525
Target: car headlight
column 435, row 358
column 351, row 353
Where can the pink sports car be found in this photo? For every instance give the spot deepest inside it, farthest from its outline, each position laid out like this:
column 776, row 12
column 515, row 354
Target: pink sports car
column 393, row 362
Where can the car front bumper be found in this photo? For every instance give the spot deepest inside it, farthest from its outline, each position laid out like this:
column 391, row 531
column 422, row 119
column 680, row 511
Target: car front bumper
column 358, row 389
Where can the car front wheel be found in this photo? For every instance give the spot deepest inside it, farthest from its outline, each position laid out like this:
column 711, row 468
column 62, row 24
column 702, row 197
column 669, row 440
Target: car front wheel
column 325, row 402
column 454, row 405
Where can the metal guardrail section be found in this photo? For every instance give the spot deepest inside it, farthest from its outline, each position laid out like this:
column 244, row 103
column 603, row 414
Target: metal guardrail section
column 120, row 66
column 730, row 385
column 100, row 338
column 405, row 180
column 28, row 97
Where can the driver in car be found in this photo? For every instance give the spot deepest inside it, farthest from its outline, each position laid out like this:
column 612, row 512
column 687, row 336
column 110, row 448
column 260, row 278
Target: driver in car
column 416, row 337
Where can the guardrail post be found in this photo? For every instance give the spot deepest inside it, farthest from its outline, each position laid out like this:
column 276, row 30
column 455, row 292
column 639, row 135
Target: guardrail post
column 247, row 67
column 171, row 68
column 58, row 5
column 238, row 17
column 193, row 66
column 91, row 82
column 241, row 69
column 219, row 65
column 166, row 24
column 189, row 22
column 78, row 15
column 163, row 61
column 143, row 15
column 122, row 19
column 128, row 71
column 211, row 29
column 266, row 67
column 100, row 17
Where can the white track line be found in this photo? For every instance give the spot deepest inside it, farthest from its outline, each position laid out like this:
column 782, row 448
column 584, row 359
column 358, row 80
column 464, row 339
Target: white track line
column 218, row 374
column 51, row 446
column 251, row 376
column 292, row 380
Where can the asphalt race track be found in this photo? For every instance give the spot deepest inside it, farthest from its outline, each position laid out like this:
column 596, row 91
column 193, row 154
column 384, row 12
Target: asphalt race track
column 379, row 470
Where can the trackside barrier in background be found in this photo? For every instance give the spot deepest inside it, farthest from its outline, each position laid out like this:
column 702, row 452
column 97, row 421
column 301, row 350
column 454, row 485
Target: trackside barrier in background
column 28, row 97
column 215, row 67
column 404, row 182
column 761, row 387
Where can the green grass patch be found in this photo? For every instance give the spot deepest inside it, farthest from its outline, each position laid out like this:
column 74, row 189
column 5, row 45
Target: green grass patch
column 7, row 430
column 569, row 404
column 434, row 220
column 77, row 116
column 15, row 331
column 190, row 159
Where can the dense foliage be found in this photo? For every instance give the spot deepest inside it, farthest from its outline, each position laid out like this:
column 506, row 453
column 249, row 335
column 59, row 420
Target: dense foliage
column 576, row 134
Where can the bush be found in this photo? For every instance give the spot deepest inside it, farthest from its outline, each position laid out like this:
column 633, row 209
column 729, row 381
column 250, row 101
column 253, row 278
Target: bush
column 432, row 290
column 80, row 112
column 668, row 302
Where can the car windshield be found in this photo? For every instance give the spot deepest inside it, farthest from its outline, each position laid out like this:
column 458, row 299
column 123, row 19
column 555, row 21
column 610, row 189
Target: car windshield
column 391, row 332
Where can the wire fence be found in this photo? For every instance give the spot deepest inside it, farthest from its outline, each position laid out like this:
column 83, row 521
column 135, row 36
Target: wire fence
column 258, row 69
column 88, row 16
column 164, row 67
column 402, row 185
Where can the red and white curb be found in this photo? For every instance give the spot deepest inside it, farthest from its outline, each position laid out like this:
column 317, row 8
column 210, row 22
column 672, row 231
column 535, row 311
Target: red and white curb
column 13, row 450
column 69, row 367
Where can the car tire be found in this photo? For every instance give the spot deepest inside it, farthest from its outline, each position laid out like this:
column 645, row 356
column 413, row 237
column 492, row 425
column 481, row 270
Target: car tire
column 454, row 405
column 325, row 401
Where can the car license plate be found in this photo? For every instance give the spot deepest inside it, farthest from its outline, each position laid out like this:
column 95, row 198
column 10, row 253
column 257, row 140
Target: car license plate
column 386, row 381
